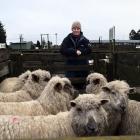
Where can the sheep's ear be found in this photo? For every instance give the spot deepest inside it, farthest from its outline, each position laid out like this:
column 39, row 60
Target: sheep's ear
column 35, row 78
column 72, row 103
column 106, row 89
column 46, row 79
column 58, row 87
column 132, row 91
column 26, row 77
column 103, row 101
column 96, row 81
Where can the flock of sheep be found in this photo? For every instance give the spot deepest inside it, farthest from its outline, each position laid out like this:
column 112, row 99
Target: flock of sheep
column 36, row 106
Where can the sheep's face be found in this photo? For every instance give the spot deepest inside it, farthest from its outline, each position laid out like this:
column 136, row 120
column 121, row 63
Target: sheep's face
column 117, row 93
column 25, row 76
column 94, row 83
column 40, row 77
column 88, row 116
column 63, row 85
column 68, row 88
column 36, row 82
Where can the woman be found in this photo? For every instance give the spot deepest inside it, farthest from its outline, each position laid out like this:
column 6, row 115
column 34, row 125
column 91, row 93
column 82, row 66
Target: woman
column 75, row 45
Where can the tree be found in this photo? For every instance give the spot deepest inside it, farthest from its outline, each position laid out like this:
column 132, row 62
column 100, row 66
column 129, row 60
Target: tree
column 138, row 33
column 38, row 44
column 132, row 35
column 2, row 34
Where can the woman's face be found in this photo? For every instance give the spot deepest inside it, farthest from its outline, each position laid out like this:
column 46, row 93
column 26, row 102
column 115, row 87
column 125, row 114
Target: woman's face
column 76, row 31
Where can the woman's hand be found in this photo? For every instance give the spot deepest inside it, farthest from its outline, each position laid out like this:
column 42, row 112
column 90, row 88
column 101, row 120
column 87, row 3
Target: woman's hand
column 78, row 52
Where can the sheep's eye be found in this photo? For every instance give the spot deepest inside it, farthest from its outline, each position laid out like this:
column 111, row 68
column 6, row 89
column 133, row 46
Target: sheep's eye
column 26, row 77
column 106, row 89
column 66, row 86
column 35, row 78
column 90, row 108
column 98, row 107
column 113, row 92
column 79, row 109
column 46, row 79
column 96, row 81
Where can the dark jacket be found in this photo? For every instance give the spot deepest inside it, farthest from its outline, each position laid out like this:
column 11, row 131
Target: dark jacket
column 69, row 47
column 71, row 43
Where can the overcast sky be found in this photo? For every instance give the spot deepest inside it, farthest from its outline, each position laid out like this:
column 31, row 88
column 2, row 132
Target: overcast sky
column 33, row 17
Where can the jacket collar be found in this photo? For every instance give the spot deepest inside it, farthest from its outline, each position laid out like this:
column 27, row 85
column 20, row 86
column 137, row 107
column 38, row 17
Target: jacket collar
column 81, row 38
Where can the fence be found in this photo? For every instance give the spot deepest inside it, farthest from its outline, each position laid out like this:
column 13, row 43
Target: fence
column 115, row 62
column 4, row 63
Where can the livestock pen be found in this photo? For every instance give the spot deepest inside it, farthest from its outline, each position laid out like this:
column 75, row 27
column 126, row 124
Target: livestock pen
column 114, row 62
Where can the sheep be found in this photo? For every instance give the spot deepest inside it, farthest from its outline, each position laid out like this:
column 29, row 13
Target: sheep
column 86, row 118
column 14, row 83
column 32, row 89
column 130, row 124
column 89, row 117
column 116, row 92
column 96, row 81
column 54, row 98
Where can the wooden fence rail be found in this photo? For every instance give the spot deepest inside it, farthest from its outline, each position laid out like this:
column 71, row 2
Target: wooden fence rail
column 117, row 63
column 4, row 63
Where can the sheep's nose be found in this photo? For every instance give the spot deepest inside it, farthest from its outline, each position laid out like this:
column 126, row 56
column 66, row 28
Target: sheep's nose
column 91, row 125
column 123, row 108
column 123, row 105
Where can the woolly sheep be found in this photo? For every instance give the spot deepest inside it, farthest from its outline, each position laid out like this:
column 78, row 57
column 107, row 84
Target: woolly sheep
column 14, row 83
column 130, row 124
column 54, row 98
column 86, row 117
column 89, row 118
column 95, row 82
column 32, row 89
column 117, row 92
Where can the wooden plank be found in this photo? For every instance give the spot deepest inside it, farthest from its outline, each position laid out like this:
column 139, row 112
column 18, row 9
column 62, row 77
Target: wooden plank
column 3, row 64
column 32, row 63
column 72, row 67
column 138, row 90
column 50, row 57
column 57, row 68
column 55, row 56
column 76, row 80
column 4, row 71
column 4, row 55
column 36, row 67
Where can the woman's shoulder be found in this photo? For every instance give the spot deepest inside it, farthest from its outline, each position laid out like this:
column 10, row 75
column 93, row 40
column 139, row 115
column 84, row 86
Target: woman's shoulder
column 67, row 38
column 85, row 39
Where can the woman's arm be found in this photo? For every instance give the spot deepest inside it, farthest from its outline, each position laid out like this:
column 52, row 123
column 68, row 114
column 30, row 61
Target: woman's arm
column 66, row 49
column 85, row 47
